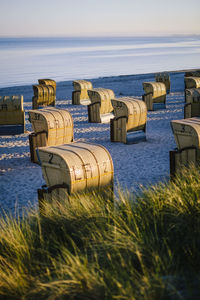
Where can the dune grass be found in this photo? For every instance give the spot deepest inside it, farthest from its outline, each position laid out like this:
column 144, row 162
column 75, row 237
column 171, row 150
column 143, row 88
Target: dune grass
column 143, row 246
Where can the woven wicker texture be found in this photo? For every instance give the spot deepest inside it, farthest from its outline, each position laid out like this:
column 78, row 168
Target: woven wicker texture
column 186, row 132
column 81, row 166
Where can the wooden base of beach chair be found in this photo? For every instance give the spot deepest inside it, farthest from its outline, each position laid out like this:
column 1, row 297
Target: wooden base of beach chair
column 118, row 132
column 60, row 192
column 154, row 104
column 182, row 158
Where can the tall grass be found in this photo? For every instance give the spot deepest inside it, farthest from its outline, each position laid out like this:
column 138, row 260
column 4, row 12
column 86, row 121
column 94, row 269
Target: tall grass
column 138, row 247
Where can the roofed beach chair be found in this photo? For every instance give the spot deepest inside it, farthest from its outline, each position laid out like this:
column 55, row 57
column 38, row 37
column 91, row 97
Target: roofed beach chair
column 155, row 95
column 164, row 78
column 44, row 95
column 187, row 137
column 192, row 82
column 51, row 126
column 49, row 82
column 100, row 110
column 75, row 168
column 80, row 93
column 129, row 123
column 192, row 106
column 12, row 115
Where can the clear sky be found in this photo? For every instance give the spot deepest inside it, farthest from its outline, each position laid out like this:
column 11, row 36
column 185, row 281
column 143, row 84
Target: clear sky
column 94, row 17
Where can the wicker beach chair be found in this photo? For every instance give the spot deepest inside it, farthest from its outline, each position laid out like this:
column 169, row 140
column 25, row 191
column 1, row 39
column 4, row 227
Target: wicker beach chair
column 155, row 95
column 129, row 123
column 12, row 115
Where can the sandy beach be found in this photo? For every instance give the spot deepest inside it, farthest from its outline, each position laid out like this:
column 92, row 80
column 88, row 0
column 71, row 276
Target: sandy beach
column 136, row 165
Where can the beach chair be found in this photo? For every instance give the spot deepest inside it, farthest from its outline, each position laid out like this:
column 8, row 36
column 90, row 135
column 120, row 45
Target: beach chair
column 44, row 95
column 75, row 168
column 51, row 126
column 187, row 137
column 155, row 95
column 100, row 110
column 12, row 115
column 80, row 93
column 48, row 82
column 164, row 78
column 129, row 123
column 192, row 82
column 192, row 106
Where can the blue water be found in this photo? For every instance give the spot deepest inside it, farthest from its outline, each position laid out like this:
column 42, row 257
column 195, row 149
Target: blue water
column 24, row 60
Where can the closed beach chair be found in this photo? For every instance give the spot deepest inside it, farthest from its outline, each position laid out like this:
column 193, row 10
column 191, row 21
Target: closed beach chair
column 12, row 115
column 129, row 123
column 44, row 95
column 75, row 168
column 187, row 137
column 192, row 106
column 192, row 82
column 80, row 93
column 100, row 110
column 51, row 126
column 155, row 95
column 164, row 78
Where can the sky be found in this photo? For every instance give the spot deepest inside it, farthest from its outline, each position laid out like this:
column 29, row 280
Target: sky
column 96, row 18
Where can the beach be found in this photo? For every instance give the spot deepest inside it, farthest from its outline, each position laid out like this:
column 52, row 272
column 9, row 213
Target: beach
column 135, row 166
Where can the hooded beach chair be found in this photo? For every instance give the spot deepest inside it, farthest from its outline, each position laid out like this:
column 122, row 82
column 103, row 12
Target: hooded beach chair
column 12, row 115
column 80, row 93
column 192, row 106
column 164, row 78
column 155, row 95
column 187, row 137
column 129, row 123
column 192, row 82
column 75, row 168
column 44, row 95
column 100, row 110
column 51, row 126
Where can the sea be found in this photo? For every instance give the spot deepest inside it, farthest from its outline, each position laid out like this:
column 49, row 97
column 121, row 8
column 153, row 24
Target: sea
column 24, row 60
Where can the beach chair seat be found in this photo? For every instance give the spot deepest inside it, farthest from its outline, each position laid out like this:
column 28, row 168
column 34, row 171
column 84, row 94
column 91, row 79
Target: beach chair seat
column 44, row 95
column 100, row 110
column 12, row 115
column 187, row 137
column 192, row 106
column 129, row 123
column 51, row 126
column 164, row 78
column 80, row 93
column 192, row 82
column 155, row 95
column 75, row 168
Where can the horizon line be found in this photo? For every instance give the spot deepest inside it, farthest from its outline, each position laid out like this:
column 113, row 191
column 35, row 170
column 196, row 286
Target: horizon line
column 100, row 35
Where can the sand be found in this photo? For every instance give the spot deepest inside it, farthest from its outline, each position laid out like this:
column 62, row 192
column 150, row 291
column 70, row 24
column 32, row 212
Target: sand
column 136, row 165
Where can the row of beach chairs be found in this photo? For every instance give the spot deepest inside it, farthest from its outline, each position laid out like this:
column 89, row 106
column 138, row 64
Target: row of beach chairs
column 99, row 101
column 85, row 94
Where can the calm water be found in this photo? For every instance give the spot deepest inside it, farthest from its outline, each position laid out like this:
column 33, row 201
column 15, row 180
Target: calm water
column 24, row 60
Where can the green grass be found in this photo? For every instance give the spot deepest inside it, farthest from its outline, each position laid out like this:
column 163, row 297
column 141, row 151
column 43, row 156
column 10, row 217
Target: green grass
column 143, row 246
